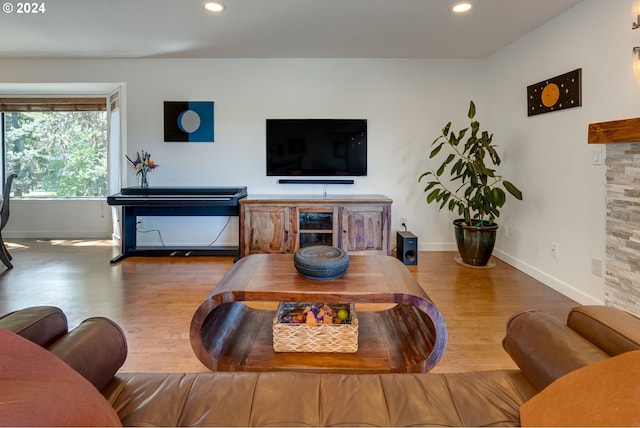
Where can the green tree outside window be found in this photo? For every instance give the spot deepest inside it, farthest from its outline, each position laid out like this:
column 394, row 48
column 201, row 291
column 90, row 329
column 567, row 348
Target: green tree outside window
column 57, row 154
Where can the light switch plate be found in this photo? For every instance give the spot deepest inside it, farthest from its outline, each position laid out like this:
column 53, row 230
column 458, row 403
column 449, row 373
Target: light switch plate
column 596, row 157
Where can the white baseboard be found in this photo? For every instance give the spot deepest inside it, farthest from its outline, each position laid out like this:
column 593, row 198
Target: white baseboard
column 48, row 234
column 548, row 280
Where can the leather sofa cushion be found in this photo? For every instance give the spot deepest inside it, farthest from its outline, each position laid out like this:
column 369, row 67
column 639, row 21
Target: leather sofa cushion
column 538, row 344
column 40, row 324
column 96, row 349
column 602, row 394
column 41, row 390
column 297, row 399
column 612, row 330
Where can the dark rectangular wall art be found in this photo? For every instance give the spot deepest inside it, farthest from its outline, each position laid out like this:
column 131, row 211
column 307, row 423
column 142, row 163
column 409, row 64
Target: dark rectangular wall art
column 188, row 121
column 557, row 93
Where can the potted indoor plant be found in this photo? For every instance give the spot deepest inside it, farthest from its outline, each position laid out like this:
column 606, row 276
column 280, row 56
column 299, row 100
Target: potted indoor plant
column 472, row 188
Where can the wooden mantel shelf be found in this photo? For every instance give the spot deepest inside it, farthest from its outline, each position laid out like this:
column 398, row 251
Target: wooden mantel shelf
column 615, row 131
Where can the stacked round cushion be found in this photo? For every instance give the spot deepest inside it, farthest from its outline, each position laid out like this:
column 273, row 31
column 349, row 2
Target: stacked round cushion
column 321, row 262
column 39, row 389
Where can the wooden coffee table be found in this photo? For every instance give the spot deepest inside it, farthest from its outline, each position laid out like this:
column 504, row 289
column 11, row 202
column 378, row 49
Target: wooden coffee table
column 231, row 332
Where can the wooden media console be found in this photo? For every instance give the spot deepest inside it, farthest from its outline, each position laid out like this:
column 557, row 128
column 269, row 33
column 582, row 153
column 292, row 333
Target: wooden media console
column 359, row 224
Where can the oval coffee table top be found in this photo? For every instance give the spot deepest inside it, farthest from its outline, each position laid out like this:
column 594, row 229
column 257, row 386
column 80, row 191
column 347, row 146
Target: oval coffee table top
column 273, row 278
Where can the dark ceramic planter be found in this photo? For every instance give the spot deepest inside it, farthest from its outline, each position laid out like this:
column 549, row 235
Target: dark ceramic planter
column 475, row 244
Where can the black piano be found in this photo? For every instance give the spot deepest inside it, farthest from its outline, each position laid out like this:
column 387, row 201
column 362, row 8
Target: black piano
column 174, row 201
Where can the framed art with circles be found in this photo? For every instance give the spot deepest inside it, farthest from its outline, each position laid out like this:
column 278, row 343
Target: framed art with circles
column 556, row 93
column 188, row 121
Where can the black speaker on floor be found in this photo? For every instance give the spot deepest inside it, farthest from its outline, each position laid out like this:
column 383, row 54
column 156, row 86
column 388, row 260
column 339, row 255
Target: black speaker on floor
column 407, row 248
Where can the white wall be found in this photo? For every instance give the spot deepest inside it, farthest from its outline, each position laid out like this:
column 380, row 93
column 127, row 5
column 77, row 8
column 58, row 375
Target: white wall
column 59, row 219
column 564, row 194
column 406, row 102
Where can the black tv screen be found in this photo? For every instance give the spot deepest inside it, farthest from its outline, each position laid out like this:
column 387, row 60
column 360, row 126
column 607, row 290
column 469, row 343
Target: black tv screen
column 316, row 147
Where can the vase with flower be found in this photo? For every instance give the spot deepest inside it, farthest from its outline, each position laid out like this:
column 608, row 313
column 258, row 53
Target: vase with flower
column 143, row 165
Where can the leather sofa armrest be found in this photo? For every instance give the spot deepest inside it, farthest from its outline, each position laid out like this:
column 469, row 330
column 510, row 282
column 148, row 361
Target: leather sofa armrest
column 612, row 330
column 42, row 325
column 545, row 349
column 96, row 349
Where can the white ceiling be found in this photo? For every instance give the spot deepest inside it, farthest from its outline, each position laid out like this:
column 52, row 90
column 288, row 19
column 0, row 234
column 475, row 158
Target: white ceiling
column 270, row 28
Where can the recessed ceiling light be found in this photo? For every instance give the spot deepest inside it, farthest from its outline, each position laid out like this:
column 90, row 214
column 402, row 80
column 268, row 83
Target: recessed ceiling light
column 213, row 6
column 462, row 7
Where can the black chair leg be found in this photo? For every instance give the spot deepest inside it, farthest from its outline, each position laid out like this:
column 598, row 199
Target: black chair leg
column 3, row 248
column 4, row 218
column 5, row 259
column 4, row 254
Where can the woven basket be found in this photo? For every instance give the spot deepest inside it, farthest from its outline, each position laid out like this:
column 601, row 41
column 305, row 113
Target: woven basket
column 300, row 337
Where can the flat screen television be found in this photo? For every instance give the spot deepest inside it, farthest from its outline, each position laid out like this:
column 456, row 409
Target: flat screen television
column 316, row 147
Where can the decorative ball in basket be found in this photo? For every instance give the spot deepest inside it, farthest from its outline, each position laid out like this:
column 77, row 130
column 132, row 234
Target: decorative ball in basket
column 321, row 262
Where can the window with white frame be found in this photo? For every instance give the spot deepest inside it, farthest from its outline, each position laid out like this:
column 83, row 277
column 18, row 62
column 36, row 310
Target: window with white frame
column 57, row 146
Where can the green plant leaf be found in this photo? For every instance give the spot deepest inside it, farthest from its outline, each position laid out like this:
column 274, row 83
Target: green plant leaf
column 436, row 150
column 445, row 198
column 445, row 130
column 433, row 195
column 430, row 186
column 498, row 196
column 423, row 175
column 493, row 214
column 472, row 110
column 449, row 159
column 494, row 155
column 468, row 192
column 457, row 167
column 473, row 177
column 487, row 193
column 468, row 146
column 452, row 139
column 475, row 127
column 512, row 189
column 461, row 134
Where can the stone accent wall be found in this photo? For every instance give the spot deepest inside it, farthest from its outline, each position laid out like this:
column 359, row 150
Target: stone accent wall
column 622, row 287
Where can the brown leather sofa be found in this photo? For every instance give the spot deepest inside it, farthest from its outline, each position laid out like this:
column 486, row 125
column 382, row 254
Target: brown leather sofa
column 544, row 348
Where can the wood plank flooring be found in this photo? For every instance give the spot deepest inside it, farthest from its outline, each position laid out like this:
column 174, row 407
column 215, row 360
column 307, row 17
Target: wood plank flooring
column 153, row 299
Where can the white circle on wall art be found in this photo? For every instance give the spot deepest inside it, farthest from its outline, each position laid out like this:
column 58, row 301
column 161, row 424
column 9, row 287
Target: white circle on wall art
column 189, row 121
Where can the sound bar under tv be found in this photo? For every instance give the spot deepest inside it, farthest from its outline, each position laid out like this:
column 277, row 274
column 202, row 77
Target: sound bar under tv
column 314, row 181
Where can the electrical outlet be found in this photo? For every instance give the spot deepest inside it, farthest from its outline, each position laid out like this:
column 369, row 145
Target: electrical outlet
column 403, row 221
column 554, row 249
column 506, row 231
column 596, row 267
column 139, row 224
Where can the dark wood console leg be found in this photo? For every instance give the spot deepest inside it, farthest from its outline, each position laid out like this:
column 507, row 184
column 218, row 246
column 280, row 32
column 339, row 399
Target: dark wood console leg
column 119, row 258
